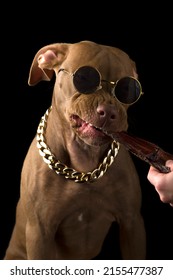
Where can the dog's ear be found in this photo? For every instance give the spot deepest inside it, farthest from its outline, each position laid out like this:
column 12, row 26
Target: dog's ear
column 135, row 74
column 42, row 67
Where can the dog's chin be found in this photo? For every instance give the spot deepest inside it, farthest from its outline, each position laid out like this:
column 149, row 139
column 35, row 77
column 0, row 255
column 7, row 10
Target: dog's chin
column 89, row 133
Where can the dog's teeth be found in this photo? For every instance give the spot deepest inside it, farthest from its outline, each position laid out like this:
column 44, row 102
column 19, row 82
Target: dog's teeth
column 96, row 127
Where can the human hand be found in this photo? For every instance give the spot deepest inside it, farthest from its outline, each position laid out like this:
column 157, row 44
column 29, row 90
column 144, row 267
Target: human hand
column 163, row 182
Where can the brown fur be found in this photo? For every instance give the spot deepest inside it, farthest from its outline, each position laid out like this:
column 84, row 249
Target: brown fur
column 58, row 218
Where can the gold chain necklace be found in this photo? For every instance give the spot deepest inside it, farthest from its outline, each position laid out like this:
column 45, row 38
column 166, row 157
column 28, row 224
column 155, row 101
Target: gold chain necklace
column 62, row 169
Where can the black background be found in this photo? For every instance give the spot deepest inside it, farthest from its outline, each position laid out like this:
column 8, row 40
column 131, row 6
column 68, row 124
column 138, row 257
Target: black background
column 143, row 35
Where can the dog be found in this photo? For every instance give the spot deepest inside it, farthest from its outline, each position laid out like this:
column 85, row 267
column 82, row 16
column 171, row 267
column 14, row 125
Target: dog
column 76, row 180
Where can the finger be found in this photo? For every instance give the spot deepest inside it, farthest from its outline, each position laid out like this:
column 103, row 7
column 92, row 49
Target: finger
column 154, row 176
column 169, row 163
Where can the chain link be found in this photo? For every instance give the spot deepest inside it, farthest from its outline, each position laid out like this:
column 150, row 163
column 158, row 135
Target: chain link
column 62, row 169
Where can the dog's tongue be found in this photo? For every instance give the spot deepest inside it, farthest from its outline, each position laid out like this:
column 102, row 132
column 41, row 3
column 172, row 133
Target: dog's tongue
column 91, row 130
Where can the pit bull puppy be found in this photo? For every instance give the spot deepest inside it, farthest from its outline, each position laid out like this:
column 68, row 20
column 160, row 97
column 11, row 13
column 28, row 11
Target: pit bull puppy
column 76, row 181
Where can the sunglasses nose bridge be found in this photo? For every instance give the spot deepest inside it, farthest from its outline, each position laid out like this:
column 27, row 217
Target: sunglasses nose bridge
column 99, row 87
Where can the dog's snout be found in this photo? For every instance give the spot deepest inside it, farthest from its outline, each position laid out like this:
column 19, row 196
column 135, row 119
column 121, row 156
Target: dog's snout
column 106, row 111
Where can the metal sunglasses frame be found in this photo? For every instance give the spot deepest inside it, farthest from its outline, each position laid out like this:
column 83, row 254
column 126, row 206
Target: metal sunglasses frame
column 99, row 86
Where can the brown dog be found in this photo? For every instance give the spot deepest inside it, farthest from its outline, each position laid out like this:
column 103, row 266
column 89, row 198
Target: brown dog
column 75, row 180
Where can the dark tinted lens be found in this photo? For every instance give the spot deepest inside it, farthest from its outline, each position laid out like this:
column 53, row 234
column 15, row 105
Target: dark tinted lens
column 127, row 90
column 86, row 79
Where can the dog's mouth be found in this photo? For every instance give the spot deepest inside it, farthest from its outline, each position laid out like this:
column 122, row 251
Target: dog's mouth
column 87, row 128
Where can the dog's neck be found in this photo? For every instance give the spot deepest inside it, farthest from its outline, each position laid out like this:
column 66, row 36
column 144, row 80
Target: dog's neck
column 85, row 157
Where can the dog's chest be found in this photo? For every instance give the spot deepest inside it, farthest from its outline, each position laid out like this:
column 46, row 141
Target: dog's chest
column 86, row 213
column 84, row 228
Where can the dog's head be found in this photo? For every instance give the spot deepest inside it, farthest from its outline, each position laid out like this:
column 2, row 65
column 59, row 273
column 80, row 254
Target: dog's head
column 88, row 77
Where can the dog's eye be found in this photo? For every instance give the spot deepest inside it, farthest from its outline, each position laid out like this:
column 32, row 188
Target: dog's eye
column 128, row 90
column 86, row 79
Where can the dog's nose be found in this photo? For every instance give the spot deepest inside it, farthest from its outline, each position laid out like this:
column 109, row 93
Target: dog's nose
column 106, row 111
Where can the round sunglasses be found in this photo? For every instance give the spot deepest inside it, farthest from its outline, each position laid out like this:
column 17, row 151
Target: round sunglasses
column 87, row 79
